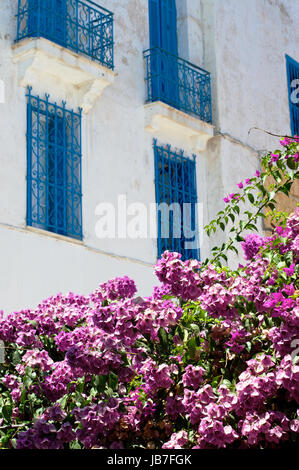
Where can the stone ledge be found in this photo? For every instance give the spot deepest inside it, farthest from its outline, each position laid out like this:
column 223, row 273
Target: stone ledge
column 40, row 59
column 168, row 121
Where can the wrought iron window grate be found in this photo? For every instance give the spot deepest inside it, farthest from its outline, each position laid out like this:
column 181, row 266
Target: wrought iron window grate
column 54, row 199
column 178, row 83
column 293, row 85
column 79, row 25
column 176, row 197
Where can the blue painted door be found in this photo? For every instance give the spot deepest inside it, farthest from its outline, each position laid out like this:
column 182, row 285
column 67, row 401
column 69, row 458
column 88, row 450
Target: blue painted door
column 163, row 35
column 48, row 18
column 169, row 40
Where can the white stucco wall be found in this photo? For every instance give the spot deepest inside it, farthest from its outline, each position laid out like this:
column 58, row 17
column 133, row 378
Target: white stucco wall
column 245, row 43
column 241, row 43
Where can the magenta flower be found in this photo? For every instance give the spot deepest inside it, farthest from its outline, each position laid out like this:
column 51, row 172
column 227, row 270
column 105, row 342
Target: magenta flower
column 240, row 185
column 290, row 271
column 257, row 173
column 248, row 181
column 275, row 157
column 135, row 369
column 226, row 200
column 286, row 141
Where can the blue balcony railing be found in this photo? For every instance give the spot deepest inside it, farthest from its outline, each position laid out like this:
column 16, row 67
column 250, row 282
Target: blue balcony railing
column 178, row 83
column 82, row 26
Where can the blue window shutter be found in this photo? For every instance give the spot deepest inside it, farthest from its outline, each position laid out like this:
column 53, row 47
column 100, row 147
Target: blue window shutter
column 169, row 65
column 48, row 19
column 163, row 25
column 60, row 24
column 154, row 23
column 169, row 40
column 293, row 75
column 32, row 13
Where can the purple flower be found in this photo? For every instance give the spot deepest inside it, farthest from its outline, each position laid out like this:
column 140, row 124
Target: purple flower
column 290, row 271
column 253, row 242
column 193, row 376
column 275, row 157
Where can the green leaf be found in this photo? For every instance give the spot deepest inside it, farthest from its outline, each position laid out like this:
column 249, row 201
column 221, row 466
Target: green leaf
column 251, row 198
column 75, row 445
column 113, row 381
column 191, row 347
column 163, row 340
column 63, row 401
column 16, row 357
column 292, row 164
column 7, row 412
column 227, row 383
column 101, row 381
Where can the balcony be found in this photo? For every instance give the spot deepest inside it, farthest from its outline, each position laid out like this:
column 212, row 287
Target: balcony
column 178, row 96
column 81, row 26
column 67, row 45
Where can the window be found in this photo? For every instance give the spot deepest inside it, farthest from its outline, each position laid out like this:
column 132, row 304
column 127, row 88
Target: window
column 293, row 84
column 176, row 197
column 53, row 167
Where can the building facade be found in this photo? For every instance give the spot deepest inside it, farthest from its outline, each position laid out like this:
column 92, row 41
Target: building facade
column 118, row 105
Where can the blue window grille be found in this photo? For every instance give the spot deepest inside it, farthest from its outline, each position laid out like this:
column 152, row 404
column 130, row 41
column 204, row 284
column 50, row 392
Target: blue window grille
column 293, row 86
column 79, row 25
column 179, row 83
column 176, row 198
column 54, row 198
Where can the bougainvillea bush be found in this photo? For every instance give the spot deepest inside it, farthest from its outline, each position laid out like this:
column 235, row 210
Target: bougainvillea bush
column 208, row 361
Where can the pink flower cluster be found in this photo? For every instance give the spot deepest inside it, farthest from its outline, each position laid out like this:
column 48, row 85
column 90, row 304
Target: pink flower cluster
column 208, row 361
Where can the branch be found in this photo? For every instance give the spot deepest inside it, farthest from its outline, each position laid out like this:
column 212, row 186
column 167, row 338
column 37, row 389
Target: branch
column 270, row 133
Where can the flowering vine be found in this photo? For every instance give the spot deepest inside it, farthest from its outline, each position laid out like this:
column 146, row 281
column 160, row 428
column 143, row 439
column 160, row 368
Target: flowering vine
column 210, row 360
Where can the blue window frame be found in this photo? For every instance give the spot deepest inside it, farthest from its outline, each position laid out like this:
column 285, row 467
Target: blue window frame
column 79, row 25
column 293, row 86
column 54, row 198
column 176, row 198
